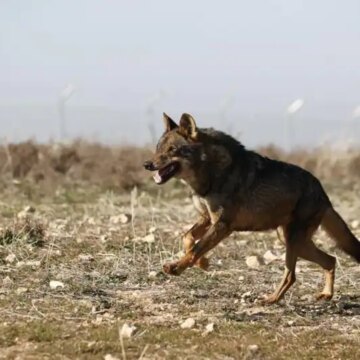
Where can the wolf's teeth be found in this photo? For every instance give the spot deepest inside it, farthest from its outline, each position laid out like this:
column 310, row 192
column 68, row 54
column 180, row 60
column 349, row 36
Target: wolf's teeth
column 157, row 178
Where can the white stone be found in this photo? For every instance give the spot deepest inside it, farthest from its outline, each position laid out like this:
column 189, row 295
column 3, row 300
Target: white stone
column 253, row 262
column 54, row 285
column 188, row 323
column 127, row 331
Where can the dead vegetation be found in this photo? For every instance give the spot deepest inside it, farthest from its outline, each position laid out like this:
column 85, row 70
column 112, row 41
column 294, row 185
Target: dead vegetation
column 81, row 251
column 57, row 164
column 119, row 167
column 24, row 230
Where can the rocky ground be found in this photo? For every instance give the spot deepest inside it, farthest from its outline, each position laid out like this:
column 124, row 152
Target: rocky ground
column 80, row 277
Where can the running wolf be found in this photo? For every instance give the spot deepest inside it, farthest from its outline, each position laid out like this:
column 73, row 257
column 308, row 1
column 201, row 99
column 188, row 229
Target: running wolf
column 235, row 189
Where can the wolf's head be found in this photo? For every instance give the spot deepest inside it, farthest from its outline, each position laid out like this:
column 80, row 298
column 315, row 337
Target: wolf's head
column 178, row 152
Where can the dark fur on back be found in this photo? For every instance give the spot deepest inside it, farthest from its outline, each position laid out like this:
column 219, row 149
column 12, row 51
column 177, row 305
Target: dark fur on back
column 252, row 170
column 217, row 137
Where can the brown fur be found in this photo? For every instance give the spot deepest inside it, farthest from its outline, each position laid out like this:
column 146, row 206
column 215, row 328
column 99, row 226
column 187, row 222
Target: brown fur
column 239, row 190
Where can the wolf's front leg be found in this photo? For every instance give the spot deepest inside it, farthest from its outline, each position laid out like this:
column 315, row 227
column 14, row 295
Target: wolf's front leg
column 214, row 234
column 195, row 233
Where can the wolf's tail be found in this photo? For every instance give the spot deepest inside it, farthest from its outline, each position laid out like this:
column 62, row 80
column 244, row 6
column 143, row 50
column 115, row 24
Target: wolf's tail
column 337, row 229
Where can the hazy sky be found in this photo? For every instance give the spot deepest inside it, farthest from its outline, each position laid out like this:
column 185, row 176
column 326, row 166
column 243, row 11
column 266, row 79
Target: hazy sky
column 253, row 57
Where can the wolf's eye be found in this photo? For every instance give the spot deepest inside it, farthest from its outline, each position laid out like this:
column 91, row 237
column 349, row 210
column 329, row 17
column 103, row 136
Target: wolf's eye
column 172, row 148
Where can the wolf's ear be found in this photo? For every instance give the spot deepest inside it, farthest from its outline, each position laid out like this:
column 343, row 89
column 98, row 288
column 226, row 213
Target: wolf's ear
column 170, row 124
column 188, row 126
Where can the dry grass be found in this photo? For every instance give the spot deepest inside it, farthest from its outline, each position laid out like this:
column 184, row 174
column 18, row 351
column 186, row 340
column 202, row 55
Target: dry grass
column 119, row 168
column 110, row 268
column 58, row 164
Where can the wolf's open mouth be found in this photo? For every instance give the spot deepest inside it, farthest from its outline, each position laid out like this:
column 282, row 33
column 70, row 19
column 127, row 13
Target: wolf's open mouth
column 164, row 174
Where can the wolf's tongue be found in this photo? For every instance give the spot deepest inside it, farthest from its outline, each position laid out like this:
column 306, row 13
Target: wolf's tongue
column 157, row 178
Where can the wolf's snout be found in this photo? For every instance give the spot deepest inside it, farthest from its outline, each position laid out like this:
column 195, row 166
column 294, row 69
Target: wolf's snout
column 149, row 165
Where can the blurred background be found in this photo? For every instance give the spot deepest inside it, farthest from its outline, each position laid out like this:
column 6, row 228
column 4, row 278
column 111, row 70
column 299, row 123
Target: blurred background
column 276, row 71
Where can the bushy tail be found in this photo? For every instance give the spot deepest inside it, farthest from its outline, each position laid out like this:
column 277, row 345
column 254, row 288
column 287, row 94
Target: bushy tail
column 337, row 229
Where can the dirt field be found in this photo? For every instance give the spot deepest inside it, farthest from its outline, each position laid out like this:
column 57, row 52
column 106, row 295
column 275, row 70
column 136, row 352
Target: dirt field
column 81, row 256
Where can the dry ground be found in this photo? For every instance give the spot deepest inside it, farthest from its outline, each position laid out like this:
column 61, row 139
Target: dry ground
column 106, row 249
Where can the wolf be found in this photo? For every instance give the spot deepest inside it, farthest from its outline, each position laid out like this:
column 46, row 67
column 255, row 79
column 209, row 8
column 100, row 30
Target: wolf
column 235, row 189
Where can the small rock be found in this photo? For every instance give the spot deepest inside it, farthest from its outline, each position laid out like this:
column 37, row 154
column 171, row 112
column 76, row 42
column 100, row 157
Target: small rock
column 10, row 258
column 98, row 319
column 188, row 323
column 125, row 218
column 33, row 263
column 246, row 294
column 253, row 262
column 241, row 242
column 152, row 275
column 120, row 219
column 119, row 275
column 307, row 297
column 152, row 229
column 21, row 290
column 85, row 258
column 25, row 212
column 29, row 209
column 209, row 328
column 114, row 219
column 54, row 285
column 355, row 224
column 103, row 238
column 253, row 348
column 269, row 257
column 110, row 357
column 150, row 238
column 91, row 221
column 127, row 331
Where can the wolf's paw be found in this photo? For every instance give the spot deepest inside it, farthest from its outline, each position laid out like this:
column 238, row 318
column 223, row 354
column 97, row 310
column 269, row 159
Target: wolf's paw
column 269, row 299
column 172, row 269
column 203, row 263
column 324, row 296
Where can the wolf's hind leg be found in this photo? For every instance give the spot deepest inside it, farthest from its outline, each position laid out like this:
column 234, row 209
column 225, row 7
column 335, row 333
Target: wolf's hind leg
column 288, row 278
column 310, row 252
column 293, row 238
